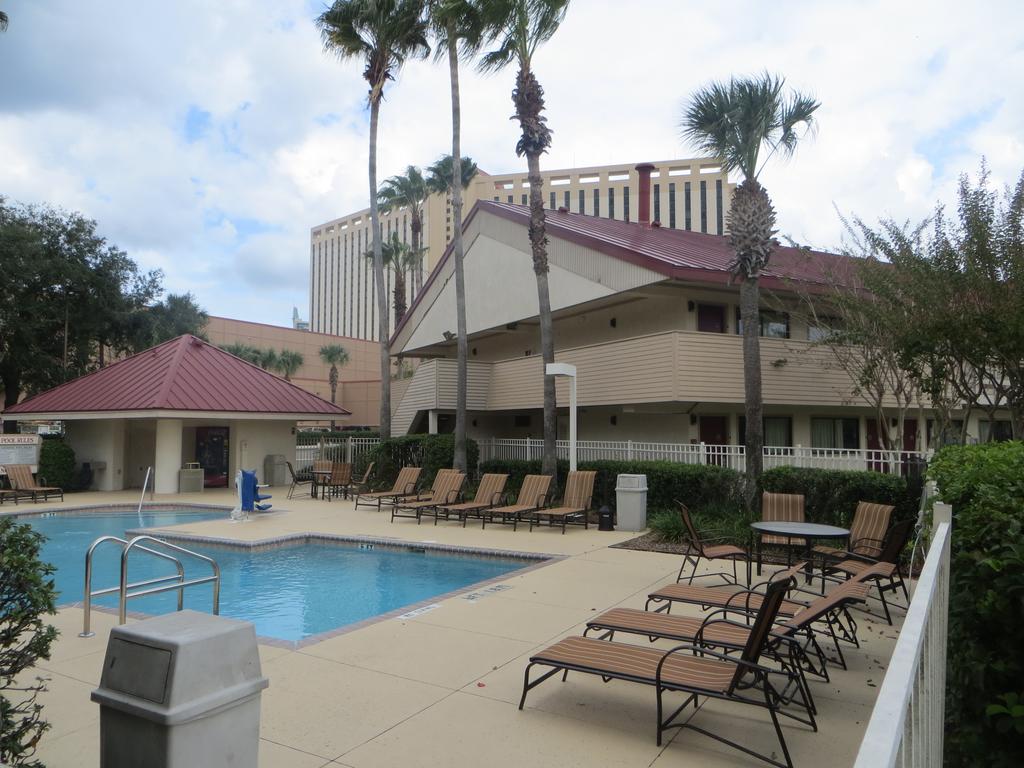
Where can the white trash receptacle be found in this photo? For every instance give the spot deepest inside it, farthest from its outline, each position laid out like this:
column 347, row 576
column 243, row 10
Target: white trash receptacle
column 631, row 502
column 180, row 691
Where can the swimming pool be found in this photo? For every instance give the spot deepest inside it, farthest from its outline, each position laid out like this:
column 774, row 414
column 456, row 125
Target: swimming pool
column 289, row 592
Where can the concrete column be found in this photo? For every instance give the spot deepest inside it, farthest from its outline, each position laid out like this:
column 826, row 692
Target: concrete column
column 432, row 422
column 167, row 458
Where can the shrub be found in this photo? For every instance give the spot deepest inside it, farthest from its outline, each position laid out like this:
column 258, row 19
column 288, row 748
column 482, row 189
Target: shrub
column 57, row 463
column 831, row 496
column 26, row 593
column 431, row 452
column 985, row 485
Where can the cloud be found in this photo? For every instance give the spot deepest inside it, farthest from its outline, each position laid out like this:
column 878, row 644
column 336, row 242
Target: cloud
column 208, row 138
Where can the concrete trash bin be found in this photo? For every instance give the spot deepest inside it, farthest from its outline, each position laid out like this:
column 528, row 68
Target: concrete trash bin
column 631, row 502
column 181, row 690
column 274, row 469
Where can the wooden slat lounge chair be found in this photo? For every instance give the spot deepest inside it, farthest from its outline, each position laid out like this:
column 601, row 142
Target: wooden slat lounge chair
column 533, row 495
column 298, row 482
column 579, row 491
column 8, row 493
column 446, row 490
column 689, row 669
column 405, row 485
column 700, row 548
column 780, row 507
column 488, row 494
column 340, row 479
column 25, row 486
column 363, row 483
column 867, row 532
column 885, row 572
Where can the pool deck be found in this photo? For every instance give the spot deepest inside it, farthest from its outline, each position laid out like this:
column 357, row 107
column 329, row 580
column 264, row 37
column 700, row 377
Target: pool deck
column 442, row 689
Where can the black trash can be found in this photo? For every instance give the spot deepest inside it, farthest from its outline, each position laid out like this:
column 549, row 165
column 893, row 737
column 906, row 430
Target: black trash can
column 604, row 519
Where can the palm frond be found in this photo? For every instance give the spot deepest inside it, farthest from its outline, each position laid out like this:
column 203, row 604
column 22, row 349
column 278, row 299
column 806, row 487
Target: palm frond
column 517, row 28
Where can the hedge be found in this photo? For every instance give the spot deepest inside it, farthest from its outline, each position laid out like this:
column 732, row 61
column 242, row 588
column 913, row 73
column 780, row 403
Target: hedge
column 831, row 496
column 431, row 452
column 57, row 463
column 985, row 680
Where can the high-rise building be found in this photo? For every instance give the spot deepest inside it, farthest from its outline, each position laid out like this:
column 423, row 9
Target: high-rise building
column 686, row 194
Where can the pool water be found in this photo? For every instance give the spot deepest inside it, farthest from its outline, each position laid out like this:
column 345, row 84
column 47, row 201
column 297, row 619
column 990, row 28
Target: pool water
column 289, row 593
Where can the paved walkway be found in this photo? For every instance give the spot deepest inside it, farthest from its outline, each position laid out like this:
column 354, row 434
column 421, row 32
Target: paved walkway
column 442, row 689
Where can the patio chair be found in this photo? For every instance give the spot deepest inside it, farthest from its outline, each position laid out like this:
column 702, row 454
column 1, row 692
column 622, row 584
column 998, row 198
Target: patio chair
column 533, row 495
column 693, row 670
column 714, row 552
column 340, row 479
column 405, row 485
column 576, row 501
column 884, row 571
column 867, row 532
column 298, row 482
column 488, row 494
column 24, row 485
column 780, row 507
column 446, row 490
column 320, row 470
column 363, row 483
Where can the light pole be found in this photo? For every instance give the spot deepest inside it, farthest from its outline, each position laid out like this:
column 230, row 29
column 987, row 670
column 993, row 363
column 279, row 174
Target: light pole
column 564, row 369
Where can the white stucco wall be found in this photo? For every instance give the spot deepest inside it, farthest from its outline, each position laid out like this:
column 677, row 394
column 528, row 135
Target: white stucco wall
column 100, row 441
column 252, row 441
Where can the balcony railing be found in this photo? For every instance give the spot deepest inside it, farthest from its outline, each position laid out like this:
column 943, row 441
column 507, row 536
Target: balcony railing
column 907, row 724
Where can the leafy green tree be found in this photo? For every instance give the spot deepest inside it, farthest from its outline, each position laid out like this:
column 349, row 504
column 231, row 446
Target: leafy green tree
column 26, row 595
column 384, row 34
column 734, row 121
column 165, row 320
column 518, row 28
column 68, row 296
column 288, row 363
column 409, row 191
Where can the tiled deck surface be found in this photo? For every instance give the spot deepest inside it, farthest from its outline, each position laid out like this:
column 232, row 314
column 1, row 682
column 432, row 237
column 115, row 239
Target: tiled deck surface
column 442, row 689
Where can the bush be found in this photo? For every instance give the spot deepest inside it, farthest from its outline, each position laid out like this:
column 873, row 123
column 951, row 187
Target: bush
column 26, row 593
column 431, row 452
column 57, row 463
column 831, row 496
column 985, row 678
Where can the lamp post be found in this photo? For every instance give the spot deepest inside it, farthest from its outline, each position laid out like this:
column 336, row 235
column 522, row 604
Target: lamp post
column 564, row 369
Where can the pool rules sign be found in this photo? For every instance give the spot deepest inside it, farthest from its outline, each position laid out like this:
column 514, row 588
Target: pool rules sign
column 19, row 449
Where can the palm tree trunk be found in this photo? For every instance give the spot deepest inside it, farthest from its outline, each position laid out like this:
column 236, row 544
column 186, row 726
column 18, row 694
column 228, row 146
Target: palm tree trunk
column 332, row 379
column 462, row 345
column 750, row 316
column 417, row 235
column 399, row 295
column 378, row 279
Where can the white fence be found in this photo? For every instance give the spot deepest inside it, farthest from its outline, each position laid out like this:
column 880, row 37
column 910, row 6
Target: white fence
column 732, row 456
column 348, row 449
column 907, row 724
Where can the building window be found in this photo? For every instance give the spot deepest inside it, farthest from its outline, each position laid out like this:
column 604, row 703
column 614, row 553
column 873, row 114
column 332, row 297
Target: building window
column 994, row 431
column 950, row 435
column 835, row 433
column 821, row 328
column 688, row 218
column 774, row 325
column 524, row 199
column 582, row 201
column 711, row 318
column 565, row 199
column 552, row 206
column 718, row 206
column 778, row 432
column 625, row 203
column 597, row 202
column 672, row 205
column 703, row 206
column 657, row 202
column 511, row 198
column 611, row 203
column 497, row 198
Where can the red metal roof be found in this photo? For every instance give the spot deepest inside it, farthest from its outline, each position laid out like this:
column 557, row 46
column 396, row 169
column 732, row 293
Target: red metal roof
column 183, row 374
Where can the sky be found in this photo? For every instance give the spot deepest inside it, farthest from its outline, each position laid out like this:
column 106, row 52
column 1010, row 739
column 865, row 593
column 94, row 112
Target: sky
column 207, row 138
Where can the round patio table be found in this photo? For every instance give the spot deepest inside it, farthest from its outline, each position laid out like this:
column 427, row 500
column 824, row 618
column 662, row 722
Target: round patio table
column 809, row 532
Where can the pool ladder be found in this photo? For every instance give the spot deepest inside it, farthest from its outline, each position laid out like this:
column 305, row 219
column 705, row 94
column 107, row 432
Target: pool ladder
column 153, row 586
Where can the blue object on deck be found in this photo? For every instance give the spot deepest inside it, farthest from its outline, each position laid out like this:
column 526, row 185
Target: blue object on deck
column 250, row 493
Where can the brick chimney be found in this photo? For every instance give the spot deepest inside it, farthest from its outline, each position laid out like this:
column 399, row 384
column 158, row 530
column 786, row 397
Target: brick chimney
column 644, row 169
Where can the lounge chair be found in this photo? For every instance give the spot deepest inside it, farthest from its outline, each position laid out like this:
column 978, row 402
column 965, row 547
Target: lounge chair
column 579, row 491
column 405, row 485
column 363, row 483
column 340, row 480
column 24, row 485
column 867, row 533
column 714, row 552
column 780, row 507
column 488, row 494
column 533, row 495
column 447, row 488
column 298, row 482
column 885, row 571
column 688, row 669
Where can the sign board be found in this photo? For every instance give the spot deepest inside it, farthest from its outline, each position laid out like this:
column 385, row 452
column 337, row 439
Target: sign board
column 20, row 449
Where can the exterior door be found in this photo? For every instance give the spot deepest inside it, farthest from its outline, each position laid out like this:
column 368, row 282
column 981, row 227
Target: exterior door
column 714, row 430
column 212, row 455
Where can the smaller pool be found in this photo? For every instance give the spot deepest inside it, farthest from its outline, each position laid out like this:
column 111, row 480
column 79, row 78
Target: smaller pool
column 290, row 592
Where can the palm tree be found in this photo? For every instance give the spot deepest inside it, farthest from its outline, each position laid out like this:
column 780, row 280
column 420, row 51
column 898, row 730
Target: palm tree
column 408, row 190
column 244, row 351
column 440, row 174
column 385, row 33
column 288, row 363
column 3, row 21
column 333, row 355
column 734, row 121
column 267, row 359
column 401, row 259
column 518, row 27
